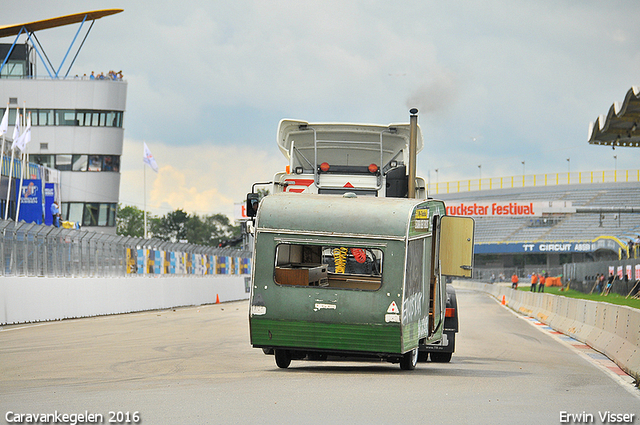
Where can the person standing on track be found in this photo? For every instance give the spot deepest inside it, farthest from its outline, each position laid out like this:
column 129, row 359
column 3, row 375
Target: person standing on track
column 534, row 281
column 514, row 281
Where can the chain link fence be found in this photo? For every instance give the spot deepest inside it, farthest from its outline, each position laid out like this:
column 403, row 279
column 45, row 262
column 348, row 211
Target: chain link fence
column 28, row 249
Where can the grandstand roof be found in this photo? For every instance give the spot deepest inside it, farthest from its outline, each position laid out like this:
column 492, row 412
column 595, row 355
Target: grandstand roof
column 9, row 30
column 621, row 126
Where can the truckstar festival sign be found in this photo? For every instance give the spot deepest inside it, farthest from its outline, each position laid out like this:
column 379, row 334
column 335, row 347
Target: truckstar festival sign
column 508, row 209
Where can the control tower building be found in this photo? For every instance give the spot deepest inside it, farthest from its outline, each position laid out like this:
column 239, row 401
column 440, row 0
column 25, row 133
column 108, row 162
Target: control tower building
column 77, row 122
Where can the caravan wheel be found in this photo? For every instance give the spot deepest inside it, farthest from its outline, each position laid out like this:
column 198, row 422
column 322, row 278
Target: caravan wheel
column 409, row 360
column 283, row 358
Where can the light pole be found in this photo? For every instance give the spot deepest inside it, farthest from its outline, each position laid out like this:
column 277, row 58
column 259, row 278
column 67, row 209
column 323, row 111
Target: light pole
column 568, row 170
column 436, row 170
column 615, row 168
column 480, row 171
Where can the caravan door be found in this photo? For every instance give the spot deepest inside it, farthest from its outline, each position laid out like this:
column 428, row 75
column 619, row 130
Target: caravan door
column 456, row 246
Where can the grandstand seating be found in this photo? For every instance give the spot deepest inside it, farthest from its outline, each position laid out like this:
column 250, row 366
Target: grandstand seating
column 579, row 226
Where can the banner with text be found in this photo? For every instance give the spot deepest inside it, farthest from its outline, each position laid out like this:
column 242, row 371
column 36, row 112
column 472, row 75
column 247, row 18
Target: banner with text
column 31, row 207
column 508, row 209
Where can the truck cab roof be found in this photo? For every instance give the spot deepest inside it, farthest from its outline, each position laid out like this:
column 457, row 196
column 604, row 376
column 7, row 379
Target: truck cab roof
column 308, row 145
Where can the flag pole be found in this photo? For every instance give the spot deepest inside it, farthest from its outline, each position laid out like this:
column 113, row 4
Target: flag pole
column 22, row 158
column 147, row 159
column 2, row 167
column 3, row 129
column 6, row 208
column 144, row 179
column 2, row 153
column 16, row 135
column 20, row 190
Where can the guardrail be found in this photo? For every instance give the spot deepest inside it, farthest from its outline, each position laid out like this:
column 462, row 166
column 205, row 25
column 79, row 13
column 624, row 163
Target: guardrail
column 28, row 249
column 534, row 180
column 610, row 329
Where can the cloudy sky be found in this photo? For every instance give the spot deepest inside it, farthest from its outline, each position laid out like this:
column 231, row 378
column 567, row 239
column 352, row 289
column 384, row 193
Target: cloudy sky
column 497, row 82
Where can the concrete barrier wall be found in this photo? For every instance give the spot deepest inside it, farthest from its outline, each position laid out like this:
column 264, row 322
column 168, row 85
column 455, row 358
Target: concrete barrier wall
column 610, row 329
column 35, row 299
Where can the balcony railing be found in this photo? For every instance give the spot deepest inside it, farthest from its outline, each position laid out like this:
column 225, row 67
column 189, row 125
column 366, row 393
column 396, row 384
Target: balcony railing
column 535, row 180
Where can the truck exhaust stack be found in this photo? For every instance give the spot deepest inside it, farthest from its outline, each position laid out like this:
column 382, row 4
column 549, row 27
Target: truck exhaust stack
column 413, row 147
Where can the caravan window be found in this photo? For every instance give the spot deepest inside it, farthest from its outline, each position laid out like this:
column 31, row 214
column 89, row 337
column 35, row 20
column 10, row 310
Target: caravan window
column 329, row 266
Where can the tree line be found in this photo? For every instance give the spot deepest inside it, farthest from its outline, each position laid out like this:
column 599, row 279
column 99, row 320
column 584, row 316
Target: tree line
column 175, row 226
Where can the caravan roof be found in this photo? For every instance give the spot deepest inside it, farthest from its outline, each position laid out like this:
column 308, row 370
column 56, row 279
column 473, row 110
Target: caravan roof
column 339, row 215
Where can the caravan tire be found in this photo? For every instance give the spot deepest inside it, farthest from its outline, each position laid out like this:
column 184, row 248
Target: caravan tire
column 283, row 358
column 409, row 360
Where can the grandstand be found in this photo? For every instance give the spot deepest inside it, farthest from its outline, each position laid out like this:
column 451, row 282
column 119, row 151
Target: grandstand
column 585, row 222
column 580, row 217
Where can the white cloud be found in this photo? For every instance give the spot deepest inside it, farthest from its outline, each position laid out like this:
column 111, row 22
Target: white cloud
column 198, row 179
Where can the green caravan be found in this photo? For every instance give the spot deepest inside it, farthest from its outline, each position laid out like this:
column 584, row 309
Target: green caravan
column 353, row 276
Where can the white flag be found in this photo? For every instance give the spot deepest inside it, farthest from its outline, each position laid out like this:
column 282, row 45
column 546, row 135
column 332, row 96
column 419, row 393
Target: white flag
column 26, row 136
column 4, row 125
column 149, row 159
column 16, row 129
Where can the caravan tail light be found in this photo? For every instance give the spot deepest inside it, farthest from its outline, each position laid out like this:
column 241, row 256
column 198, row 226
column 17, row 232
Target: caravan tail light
column 373, row 168
column 324, row 167
column 450, row 312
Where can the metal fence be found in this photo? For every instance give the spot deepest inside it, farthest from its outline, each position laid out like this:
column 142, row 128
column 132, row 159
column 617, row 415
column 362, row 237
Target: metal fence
column 533, row 180
column 28, row 249
column 503, row 274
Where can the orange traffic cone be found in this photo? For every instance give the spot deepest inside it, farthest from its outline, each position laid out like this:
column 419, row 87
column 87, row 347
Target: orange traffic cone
column 504, row 301
column 217, row 299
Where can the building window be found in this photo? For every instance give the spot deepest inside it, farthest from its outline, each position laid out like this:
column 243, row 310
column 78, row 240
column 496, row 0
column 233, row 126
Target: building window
column 95, row 163
column 111, row 163
column 63, row 162
column 45, row 160
column 65, row 117
column 74, row 212
column 82, row 117
column 71, row 117
column 12, row 115
column 79, row 163
column 90, row 217
column 45, row 117
column 13, row 69
column 90, row 214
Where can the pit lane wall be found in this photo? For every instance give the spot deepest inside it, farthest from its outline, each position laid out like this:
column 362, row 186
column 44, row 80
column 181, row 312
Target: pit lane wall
column 610, row 329
column 36, row 299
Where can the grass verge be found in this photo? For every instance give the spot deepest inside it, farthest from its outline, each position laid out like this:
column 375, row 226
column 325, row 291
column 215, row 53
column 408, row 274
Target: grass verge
column 571, row 293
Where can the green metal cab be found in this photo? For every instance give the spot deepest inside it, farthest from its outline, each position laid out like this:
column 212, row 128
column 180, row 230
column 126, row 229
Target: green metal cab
column 349, row 276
